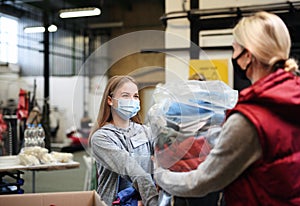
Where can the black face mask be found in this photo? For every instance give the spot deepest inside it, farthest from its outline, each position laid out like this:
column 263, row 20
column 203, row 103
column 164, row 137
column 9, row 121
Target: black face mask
column 237, row 68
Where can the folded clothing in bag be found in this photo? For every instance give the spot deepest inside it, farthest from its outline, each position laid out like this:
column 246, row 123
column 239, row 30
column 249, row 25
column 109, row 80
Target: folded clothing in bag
column 183, row 156
column 187, row 120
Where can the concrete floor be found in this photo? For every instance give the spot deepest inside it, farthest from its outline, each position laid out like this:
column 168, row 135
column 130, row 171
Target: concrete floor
column 57, row 180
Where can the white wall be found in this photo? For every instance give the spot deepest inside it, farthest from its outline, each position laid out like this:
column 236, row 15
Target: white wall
column 66, row 93
column 177, row 65
column 98, row 84
column 10, row 85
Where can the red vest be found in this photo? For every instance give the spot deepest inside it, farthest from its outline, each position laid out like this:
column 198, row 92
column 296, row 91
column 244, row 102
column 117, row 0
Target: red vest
column 273, row 106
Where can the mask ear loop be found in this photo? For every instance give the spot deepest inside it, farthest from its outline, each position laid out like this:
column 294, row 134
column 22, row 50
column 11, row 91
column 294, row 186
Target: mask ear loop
column 241, row 54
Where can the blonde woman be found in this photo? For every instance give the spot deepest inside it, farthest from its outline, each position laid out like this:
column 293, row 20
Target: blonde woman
column 257, row 160
column 122, row 146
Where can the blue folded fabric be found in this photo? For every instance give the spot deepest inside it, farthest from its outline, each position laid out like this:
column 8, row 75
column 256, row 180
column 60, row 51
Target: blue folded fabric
column 128, row 197
column 205, row 112
column 209, row 105
column 182, row 109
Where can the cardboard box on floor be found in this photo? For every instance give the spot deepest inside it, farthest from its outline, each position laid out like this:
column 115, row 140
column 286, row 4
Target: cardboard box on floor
column 85, row 198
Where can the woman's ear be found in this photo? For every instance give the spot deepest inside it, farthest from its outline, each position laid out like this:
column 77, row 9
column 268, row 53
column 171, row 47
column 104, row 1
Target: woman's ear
column 109, row 101
column 249, row 57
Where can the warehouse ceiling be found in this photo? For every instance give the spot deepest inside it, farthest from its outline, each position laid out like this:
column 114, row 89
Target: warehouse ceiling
column 129, row 14
column 123, row 16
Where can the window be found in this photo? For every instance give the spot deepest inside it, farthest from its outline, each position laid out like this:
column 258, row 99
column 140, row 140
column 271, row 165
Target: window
column 8, row 40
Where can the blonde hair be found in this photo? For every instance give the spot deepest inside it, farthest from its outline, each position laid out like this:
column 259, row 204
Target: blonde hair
column 104, row 114
column 266, row 36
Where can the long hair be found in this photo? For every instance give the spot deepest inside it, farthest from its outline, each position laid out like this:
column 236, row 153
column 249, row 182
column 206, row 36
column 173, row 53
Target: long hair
column 104, row 113
column 266, row 36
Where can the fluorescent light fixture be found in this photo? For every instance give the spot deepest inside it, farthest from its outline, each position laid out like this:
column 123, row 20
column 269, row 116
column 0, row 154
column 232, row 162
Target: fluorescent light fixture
column 40, row 29
column 79, row 12
column 52, row 28
column 35, row 29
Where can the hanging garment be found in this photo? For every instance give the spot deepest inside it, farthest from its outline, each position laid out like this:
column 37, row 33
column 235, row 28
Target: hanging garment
column 23, row 105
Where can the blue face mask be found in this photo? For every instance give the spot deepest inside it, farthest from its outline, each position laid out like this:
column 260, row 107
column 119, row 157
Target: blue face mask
column 127, row 108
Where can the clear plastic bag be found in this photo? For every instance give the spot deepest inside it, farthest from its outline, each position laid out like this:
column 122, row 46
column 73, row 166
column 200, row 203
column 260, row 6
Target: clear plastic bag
column 186, row 119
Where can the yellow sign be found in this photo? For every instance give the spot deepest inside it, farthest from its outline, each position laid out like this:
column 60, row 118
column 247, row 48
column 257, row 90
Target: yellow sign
column 216, row 69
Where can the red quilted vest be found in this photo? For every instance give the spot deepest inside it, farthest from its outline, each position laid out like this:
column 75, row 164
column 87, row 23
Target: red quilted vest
column 272, row 104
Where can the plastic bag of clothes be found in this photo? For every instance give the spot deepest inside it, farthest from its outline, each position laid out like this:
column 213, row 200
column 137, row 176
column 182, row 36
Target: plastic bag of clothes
column 186, row 119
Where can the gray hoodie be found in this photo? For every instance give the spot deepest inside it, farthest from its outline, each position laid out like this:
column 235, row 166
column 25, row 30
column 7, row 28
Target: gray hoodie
column 124, row 153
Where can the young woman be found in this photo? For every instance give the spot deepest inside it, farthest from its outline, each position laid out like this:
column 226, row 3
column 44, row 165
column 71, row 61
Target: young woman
column 121, row 145
column 257, row 159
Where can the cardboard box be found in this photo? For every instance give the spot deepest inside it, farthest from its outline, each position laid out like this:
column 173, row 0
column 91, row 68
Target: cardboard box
column 85, row 198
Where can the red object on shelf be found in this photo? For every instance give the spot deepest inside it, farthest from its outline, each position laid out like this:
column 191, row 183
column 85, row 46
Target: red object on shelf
column 3, row 126
column 23, row 105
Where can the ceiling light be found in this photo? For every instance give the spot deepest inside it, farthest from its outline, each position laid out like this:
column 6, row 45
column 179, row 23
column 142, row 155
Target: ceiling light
column 52, row 28
column 79, row 12
column 40, row 29
column 35, row 29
